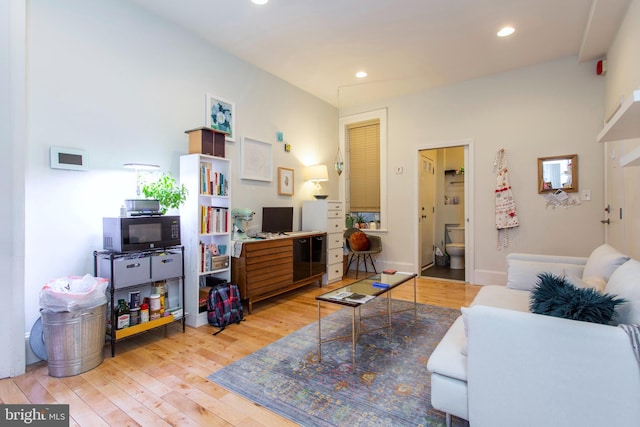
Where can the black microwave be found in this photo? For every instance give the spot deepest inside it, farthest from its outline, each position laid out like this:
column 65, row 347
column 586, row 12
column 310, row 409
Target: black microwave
column 126, row 234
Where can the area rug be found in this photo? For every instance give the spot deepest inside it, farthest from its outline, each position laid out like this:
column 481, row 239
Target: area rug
column 391, row 385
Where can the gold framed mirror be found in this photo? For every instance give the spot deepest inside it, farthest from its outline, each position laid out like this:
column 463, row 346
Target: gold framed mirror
column 558, row 173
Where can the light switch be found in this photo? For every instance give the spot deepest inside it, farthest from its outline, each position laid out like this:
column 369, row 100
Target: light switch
column 586, row 195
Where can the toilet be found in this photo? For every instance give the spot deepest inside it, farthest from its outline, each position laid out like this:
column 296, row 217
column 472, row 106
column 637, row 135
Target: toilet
column 455, row 248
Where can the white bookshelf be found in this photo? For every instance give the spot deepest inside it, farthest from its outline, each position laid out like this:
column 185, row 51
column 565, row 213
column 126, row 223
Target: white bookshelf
column 194, row 234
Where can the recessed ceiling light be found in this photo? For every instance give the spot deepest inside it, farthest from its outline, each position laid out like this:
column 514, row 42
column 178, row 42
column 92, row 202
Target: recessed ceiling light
column 259, row 2
column 361, row 74
column 506, row 31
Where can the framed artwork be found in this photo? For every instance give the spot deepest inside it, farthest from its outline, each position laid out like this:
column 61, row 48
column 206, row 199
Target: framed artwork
column 256, row 160
column 221, row 115
column 285, row 181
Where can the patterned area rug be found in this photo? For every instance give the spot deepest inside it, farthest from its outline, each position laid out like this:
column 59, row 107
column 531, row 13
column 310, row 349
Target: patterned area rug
column 391, row 386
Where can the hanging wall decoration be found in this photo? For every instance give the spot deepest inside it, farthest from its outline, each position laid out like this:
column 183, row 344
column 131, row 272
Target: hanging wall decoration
column 339, row 165
column 221, row 116
column 506, row 216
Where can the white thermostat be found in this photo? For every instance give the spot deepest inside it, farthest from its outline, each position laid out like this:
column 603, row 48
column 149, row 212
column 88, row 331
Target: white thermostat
column 69, row 158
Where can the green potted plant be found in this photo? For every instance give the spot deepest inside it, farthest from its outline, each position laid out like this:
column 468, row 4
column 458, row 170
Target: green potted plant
column 360, row 221
column 349, row 220
column 167, row 191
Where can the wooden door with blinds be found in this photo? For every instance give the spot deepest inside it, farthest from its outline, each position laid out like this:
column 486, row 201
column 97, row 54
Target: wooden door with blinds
column 364, row 166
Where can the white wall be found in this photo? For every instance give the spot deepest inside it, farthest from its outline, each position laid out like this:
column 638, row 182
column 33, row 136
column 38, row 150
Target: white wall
column 12, row 148
column 623, row 77
column 124, row 85
column 623, row 60
column 548, row 109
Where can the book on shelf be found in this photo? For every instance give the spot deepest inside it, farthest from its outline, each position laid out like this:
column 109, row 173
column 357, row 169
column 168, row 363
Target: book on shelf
column 213, row 183
column 214, row 219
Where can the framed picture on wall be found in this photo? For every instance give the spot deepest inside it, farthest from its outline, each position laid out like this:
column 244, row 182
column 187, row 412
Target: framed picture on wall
column 221, row 115
column 256, row 159
column 285, row 181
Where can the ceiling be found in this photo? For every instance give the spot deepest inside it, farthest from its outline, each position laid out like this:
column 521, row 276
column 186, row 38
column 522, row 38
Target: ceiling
column 404, row 45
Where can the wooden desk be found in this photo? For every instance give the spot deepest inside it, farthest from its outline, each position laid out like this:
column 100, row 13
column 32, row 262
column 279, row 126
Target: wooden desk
column 270, row 267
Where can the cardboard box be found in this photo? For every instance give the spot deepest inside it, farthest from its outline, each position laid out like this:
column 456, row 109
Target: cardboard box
column 205, row 140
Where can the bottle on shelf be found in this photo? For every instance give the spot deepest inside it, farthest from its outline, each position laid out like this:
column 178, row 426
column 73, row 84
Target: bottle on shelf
column 144, row 312
column 122, row 314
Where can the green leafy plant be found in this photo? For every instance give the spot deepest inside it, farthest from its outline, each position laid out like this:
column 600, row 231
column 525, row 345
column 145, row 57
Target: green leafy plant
column 166, row 191
column 348, row 220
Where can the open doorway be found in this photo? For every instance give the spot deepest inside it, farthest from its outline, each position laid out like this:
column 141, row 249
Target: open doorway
column 443, row 212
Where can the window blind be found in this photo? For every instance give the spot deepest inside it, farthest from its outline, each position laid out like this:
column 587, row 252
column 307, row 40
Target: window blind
column 364, row 166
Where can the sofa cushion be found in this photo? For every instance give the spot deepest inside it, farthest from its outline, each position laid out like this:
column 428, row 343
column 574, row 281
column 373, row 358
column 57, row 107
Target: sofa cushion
column 523, row 274
column 555, row 296
column 447, row 358
column 625, row 282
column 502, row 297
column 602, row 262
column 592, row 282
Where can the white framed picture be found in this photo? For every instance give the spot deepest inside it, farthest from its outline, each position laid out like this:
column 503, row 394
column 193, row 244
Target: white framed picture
column 256, row 160
column 221, row 115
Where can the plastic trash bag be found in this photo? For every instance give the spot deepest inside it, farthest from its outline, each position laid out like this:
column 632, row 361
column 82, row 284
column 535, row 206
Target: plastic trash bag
column 73, row 293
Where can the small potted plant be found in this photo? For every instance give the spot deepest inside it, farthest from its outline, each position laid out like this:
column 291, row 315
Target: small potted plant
column 361, row 222
column 349, row 220
column 167, row 191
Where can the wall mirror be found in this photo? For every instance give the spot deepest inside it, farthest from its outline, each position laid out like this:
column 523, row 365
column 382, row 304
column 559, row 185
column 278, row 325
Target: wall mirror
column 558, row 173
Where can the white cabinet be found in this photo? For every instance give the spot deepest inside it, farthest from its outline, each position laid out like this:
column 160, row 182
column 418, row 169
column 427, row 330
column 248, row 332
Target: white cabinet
column 205, row 226
column 327, row 215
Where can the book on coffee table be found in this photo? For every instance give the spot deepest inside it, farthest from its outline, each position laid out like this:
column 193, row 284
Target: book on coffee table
column 352, row 297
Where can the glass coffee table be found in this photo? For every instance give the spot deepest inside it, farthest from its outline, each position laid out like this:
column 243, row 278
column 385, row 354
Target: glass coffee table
column 358, row 294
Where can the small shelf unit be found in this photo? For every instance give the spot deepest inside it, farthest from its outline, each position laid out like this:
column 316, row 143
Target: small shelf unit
column 138, row 271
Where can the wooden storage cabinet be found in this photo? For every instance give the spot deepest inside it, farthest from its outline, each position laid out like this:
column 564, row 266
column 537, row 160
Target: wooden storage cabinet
column 205, row 220
column 265, row 268
column 137, row 271
column 327, row 215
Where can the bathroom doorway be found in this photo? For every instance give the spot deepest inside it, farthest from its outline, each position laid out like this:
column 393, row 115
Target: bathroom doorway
column 444, row 204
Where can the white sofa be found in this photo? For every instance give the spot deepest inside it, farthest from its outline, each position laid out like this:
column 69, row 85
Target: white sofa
column 522, row 369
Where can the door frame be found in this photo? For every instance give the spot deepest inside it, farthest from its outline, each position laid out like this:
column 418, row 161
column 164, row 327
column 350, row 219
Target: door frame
column 469, row 202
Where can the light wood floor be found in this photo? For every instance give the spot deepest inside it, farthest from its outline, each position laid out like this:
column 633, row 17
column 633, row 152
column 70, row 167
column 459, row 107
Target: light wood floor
column 156, row 380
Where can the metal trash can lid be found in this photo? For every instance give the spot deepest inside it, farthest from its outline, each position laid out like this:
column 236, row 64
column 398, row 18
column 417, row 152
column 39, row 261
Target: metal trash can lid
column 36, row 340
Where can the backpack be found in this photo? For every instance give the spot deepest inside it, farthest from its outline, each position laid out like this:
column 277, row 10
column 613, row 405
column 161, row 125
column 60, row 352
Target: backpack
column 224, row 306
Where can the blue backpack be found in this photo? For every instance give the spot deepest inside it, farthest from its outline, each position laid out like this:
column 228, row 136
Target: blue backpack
column 224, row 306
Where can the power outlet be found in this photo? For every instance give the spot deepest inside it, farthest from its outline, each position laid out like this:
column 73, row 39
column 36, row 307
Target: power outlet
column 586, row 195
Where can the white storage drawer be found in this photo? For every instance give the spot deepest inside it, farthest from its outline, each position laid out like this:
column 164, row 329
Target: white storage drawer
column 334, row 272
column 334, row 206
column 334, row 256
column 126, row 271
column 166, row 266
column 335, row 225
column 335, row 241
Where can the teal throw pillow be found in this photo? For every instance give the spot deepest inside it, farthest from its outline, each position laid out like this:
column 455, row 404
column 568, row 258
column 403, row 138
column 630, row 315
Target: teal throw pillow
column 554, row 296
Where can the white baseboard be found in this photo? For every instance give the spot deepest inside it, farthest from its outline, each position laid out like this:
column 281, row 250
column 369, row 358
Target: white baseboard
column 489, row 277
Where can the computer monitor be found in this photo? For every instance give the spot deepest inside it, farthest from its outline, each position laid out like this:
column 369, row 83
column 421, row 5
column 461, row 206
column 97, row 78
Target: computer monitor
column 277, row 219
